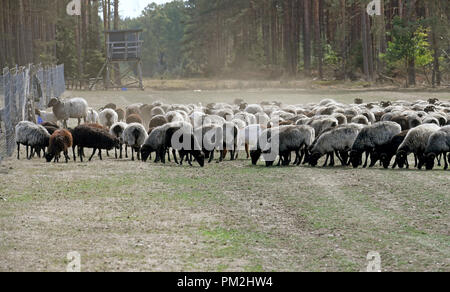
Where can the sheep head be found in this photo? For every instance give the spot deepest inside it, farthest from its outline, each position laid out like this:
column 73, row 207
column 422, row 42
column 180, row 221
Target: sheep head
column 54, row 102
column 429, row 161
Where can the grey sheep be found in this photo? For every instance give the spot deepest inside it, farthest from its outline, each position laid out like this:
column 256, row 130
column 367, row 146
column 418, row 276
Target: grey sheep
column 371, row 137
column 75, row 108
column 282, row 141
column 108, row 117
column 438, row 143
column 337, row 141
column 415, row 142
column 134, row 136
column 31, row 135
column 117, row 131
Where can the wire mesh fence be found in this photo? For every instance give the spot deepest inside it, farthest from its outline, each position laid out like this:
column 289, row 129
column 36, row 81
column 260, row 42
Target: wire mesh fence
column 23, row 89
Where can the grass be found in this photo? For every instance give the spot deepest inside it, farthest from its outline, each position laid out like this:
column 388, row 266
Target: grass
column 131, row 216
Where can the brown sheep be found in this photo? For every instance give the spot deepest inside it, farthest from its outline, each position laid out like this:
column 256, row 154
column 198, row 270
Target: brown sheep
column 60, row 141
column 134, row 118
column 121, row 114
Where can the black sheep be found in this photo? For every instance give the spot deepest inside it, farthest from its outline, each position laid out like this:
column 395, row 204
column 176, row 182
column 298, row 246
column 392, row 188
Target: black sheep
column 89, row 137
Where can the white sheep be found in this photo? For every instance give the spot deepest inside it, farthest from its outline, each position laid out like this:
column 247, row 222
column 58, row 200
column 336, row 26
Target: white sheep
column 75, row 108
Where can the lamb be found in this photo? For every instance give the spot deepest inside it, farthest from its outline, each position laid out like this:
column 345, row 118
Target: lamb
column 134, row 136
column 31, row 135
column 86, row 136
column 107, row 118
column 371, row 137
column 60, row 141
column 283, row 140
column 117, row 131
column 338, row 140
column 92, row 116
column 415, row 142
column 438, row 143
column 75, row 108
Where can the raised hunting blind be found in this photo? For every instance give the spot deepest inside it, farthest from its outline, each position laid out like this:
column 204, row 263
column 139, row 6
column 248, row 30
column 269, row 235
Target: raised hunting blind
column 123, row 55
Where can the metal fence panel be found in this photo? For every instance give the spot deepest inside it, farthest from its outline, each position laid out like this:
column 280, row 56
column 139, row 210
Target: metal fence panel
column 21, row 89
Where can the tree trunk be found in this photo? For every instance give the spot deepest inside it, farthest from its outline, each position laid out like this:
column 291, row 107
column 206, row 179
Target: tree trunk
column 317, row 37
column 307, row 37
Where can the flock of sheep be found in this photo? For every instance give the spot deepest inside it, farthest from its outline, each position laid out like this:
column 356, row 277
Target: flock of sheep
column 386, row 132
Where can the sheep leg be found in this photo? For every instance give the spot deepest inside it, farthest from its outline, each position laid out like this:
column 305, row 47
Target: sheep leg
column 174, row 153
column 100, row 154
column 73, row 152
column 340, row 158
column 332, row 159
column 211, row 156
column 367, row 159
column 189, row 159
column 107, row 153
column 27, row 152
column 247, row 150
column 79, row 121
column 415, row 160
column 326, row 160
column 121, row 146
column 115, row 152
column 93, row 153
column 132, row 153
column 445, row 161
column 168, row 155
column 298, row 157
column 126, row 151
column 18, row 151
column 439, row 158
column 66, row 154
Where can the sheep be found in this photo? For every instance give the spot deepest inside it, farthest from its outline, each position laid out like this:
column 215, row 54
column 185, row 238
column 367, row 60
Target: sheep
column 155, row 142
column 180, row 137
column 230, row 140
column 107, row 118
column 46, row 116
column 134, row 118
column 253, row 109
column 387, row 151
column 50, row 127
column 110, row 106
column 282, row 141
column 146, row 113
column 157, row 121
column 60, row 141
column 322, row 124
column 415, row 142
column 75, row 108
column 360, row 119
column 31, row 135
column 438, row 143
column 92, row 116
column 338, row 140
column 370, row 137
column 134, row 136
column 249, row 136
column 430, row 120
column 117, row 131
column 86, row 136
column 120, row 114
column 211, row 138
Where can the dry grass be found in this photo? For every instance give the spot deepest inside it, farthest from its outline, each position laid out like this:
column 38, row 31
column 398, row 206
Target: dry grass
column 131, row 216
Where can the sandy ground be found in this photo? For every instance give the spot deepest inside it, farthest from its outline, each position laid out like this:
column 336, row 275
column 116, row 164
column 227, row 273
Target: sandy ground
column 134, row 216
